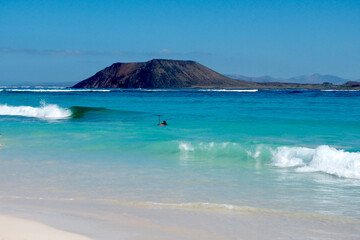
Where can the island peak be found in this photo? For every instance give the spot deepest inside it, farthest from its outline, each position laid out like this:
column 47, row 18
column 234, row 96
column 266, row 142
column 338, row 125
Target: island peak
column 161, row 73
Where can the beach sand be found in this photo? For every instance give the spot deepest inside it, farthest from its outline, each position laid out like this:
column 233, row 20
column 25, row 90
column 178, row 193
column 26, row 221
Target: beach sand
column 12, row 228
column 137, row 221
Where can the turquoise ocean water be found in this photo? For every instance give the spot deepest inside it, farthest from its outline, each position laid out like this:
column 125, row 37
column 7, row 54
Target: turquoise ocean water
column 296, row 151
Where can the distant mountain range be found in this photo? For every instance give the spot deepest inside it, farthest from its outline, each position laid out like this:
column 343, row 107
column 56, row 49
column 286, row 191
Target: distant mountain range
column 308, row 79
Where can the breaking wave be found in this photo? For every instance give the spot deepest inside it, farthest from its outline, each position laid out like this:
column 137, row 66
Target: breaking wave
column 321, row 159
column 230, row 90
column 340, row 90
column 45, row 111
column 212, row 150
column 79, row 112
column 54, row 112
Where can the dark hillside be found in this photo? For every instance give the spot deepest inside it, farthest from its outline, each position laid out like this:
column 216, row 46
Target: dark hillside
column 161, row 74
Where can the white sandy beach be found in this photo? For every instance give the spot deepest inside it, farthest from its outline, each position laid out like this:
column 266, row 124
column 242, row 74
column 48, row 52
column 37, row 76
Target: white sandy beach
column 12, row 228
column 137, row 221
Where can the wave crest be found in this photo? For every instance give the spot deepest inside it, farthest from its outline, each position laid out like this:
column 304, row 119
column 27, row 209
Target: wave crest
column 229, row 90
column 321, row 159
column 212, row 149
column 45, row 111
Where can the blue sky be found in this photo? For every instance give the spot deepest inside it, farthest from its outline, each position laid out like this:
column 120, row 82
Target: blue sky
column 56, row 41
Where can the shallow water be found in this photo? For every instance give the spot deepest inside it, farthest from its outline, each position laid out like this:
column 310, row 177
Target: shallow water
column 296, row 151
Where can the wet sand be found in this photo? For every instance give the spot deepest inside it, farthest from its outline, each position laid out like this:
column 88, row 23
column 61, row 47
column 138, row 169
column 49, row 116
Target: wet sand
column 102, row 219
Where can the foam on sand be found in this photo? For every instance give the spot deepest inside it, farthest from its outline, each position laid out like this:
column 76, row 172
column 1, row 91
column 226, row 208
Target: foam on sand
column 321, row 159
column 45, row 111
column 12, row 228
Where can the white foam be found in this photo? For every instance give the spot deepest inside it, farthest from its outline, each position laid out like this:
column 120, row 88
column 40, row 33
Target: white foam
column 340, row 90
column 45, row 111
column 155, row 90
column 321, row 159
column 205, row 206
column 206, row 147
column 183, row 146
column 292, row 156
column 230, row 90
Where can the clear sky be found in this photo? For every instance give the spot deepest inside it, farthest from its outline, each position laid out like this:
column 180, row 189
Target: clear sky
column 60, row 41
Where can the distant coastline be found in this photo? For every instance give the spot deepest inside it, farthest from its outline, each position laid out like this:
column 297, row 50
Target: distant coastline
column 177, row 74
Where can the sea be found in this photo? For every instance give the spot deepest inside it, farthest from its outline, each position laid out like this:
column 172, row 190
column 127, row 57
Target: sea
column 223, row 151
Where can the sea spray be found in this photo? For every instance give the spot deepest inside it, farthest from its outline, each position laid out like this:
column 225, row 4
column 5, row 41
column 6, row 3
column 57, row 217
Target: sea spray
column 212, row 149
column 321, row 159
column 44, row 112
column 292, row 156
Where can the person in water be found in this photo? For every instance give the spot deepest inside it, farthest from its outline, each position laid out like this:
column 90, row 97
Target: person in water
column 164, row 122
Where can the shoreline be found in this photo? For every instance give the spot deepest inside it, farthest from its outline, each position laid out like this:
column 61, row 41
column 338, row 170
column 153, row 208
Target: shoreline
column 135, row 221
